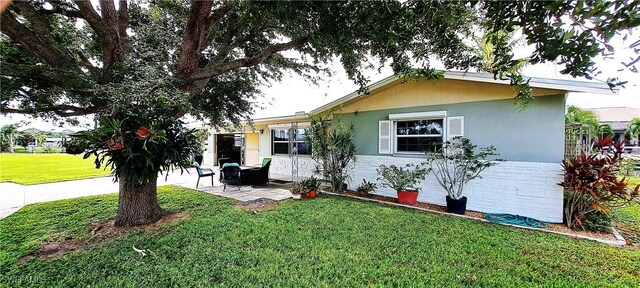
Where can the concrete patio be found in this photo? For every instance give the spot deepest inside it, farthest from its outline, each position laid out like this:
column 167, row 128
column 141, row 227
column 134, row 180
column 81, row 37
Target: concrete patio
column 248, row 193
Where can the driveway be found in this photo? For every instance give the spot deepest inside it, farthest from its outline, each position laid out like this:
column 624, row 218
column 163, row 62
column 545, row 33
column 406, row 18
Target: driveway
column 14, row 196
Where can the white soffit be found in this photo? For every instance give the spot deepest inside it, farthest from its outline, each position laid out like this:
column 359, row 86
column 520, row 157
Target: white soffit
column 418, row 115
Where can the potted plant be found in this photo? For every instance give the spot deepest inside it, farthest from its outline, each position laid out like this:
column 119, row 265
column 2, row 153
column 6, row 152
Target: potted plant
column 365, row 188
column 404, row 180
column 309, row 187
column 296, row 188
column 454, row 164
column 199, row 151
column 202, row 136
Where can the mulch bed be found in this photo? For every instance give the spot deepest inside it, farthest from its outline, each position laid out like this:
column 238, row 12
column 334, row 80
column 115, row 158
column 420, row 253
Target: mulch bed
column 474, row 214
column 108, row 228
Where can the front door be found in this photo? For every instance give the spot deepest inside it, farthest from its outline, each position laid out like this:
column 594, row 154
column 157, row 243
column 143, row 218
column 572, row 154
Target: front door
column 252, row 149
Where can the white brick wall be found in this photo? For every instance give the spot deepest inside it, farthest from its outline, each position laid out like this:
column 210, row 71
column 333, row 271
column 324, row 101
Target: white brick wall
column 521, row 188
column 282, row 165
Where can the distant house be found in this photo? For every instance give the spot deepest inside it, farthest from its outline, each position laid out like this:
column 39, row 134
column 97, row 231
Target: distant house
column 618, row 118
column 398, row 120
column 52, row 142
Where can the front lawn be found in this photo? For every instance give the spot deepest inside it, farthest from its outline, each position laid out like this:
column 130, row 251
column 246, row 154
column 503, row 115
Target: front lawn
column 328, row 241
column 29, row 169
column 627, row 219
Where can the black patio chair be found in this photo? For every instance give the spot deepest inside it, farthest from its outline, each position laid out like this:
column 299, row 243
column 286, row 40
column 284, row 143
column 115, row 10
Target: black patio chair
column 229, row 174
column 203, row 172
column 259, row 176
column 221, row 162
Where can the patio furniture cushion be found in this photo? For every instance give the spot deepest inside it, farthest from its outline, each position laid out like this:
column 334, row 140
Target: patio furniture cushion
column 222, row 161
column 230, row 165
column 265, row 161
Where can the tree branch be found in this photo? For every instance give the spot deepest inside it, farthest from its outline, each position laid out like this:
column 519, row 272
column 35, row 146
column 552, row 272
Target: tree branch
column 36, row 44
column 209, row 72
column 93, row 18
column 106, row 29
column 123, row 18
column 201, row 22
column 109, row 14
column 62, row 110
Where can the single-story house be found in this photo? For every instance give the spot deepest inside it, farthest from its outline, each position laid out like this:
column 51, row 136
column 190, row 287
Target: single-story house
column 52, row 142
column 472, row 105
column 618, row 118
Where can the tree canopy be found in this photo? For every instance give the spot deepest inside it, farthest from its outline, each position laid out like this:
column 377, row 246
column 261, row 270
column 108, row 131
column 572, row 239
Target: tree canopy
column 210, row 58
column 576, row 114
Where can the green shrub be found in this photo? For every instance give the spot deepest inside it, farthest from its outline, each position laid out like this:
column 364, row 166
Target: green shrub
column 75, row 145
column 402, row 178
column 333, row 149
column 50, row 150
column 591, row 184
column 597, row 221
column 366, row 187
column 309, row 184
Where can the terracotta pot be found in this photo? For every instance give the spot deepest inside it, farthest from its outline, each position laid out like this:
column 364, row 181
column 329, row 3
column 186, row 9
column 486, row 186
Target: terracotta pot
column 456, row 206
column 304, row 195
column 407, row 197
column 312, row 194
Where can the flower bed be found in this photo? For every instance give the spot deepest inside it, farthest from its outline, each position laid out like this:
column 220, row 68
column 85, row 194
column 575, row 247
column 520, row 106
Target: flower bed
column 559, row 228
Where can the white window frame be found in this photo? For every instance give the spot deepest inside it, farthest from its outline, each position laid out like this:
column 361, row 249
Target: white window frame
column 435, row 115
column 288, row 128
column 273, row 142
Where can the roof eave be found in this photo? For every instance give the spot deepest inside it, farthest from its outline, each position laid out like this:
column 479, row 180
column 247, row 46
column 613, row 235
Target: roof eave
column 555, row 84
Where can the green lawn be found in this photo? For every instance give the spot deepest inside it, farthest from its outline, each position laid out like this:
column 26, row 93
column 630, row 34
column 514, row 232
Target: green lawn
column 328, row 241
column 29, row 169
column 627, row 219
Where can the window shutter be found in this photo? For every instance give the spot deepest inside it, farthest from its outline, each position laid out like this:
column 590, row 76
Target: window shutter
column 455, row 127
column 384, row 137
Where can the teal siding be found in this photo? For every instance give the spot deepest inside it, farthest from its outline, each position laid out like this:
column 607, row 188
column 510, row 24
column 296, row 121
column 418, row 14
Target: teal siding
column 535, row 134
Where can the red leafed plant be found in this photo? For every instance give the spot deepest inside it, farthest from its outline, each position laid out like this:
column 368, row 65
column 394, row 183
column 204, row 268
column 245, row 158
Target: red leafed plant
column 591, row 183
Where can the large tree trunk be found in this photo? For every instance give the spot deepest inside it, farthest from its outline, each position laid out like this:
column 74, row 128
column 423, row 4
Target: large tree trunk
column 137, row 205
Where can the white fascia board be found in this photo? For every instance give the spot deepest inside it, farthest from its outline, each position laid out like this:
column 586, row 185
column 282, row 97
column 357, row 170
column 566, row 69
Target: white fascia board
column 547, row 83
column 288, row 125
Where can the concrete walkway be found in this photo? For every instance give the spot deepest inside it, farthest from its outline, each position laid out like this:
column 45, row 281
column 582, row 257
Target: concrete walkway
column 15, row 196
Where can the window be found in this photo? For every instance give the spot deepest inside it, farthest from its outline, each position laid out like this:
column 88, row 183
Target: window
column 280, row 142
column 417, row 136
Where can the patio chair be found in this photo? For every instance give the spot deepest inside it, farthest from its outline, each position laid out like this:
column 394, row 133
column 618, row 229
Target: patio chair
column 231, row 173
column 260, row 175
column 265, row 161
column 221, row 162
column 203, row 172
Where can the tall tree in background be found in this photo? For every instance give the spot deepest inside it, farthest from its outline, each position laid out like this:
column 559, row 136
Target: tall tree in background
column 576, row 114
column 9, row 133
column 633, row 128
column 209, row 58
